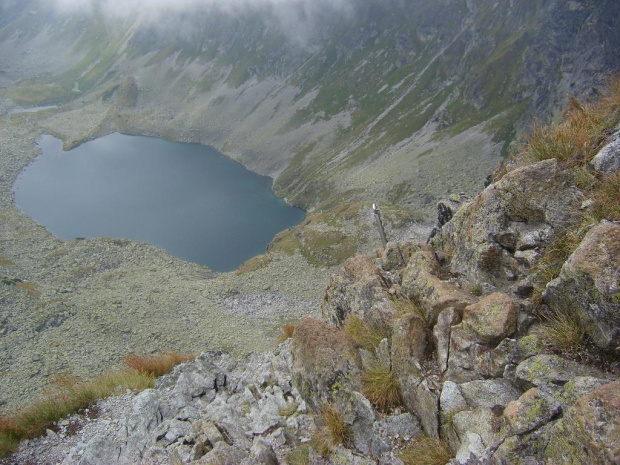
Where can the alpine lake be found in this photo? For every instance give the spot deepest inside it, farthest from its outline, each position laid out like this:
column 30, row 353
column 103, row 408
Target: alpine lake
column 188, row 199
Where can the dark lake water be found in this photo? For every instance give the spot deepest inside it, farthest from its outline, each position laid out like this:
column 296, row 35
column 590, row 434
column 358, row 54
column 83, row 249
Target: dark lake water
column 185, row 198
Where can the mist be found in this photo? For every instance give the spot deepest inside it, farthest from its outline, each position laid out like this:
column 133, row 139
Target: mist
column 159, row 8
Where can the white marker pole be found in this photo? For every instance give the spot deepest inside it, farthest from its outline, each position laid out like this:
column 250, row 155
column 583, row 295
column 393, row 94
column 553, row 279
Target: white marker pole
column 379, row 223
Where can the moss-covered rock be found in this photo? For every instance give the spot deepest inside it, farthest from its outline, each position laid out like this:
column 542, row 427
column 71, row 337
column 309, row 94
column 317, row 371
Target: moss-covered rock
column 522, row 211
column 589, row 285
column 491, row 319
column 589, row 433
column 425, row 284
column 551, row 370
column 325, row 362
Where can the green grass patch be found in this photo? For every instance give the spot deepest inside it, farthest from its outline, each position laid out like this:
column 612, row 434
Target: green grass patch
column 362, row 335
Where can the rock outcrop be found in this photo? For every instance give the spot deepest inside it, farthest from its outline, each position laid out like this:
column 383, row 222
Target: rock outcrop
column 450, row 333
column 497, row 237
column 589, row 285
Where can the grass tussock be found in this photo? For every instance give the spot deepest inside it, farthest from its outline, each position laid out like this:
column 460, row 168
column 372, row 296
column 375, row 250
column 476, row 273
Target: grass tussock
column 606, row 198
column 381, row 387
column 156, row 365
column 425, row 450
column 578, row 137
column 563, row 332
column 287, row 332
column 405, row 306
column 332, row 433
column 69, row 395
column 362, row 335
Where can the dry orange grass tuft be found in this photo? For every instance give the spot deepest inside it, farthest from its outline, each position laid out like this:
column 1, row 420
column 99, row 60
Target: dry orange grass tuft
column 578, row 137
column 69, row 395
column 333, row 431
column 157, row 365
column 425, row 450
column 287, row 333
column 606, row 198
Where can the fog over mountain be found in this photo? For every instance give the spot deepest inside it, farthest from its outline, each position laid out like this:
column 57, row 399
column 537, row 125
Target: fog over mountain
column 399, row 100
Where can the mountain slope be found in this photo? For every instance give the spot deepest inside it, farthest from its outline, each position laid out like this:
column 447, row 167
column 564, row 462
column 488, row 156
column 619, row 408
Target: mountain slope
column 398, row 101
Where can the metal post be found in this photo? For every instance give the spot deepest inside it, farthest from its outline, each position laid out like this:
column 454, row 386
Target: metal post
column 379, row 223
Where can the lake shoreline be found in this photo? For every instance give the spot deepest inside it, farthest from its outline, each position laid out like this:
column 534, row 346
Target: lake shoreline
column 85, row 304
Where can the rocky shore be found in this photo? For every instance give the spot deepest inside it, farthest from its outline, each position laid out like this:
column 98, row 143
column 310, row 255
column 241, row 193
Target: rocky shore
column 79, row 306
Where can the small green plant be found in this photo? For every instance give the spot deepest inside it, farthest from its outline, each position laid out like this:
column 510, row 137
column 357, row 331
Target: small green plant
column 333, row 431
column 381, row 387
column 361, row 335
column 425, row 450
column 563, row 332
column 476, row 289
column 299, row 456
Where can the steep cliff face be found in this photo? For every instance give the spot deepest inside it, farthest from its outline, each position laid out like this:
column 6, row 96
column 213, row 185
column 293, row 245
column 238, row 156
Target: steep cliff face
column 401, row 101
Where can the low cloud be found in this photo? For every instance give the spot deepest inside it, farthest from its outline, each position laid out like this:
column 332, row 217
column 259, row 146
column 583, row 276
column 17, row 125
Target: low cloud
column 159, row 8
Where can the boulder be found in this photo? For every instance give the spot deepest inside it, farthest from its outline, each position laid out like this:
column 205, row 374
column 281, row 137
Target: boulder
column 441, row 335
column 396, row 255
column 588, row 286
column 408, row 342
column 522, row 211
column 491, row 319
column 425, row 284
column 325, row 362
column 223, row 454
column 589, row 432
column 489, row 393
column 551, row 371
column 531, row 411
column 470, row 360
column 358, row 288
column 607, row 160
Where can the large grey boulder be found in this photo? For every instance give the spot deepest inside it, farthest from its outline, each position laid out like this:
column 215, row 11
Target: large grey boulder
column 358, row 288
column 491, row 319
column 590, row 431
column 325, row 362
column 607, row 160
column 523, row 211
column 425, row 284
column 551, row 371
column 589, row 285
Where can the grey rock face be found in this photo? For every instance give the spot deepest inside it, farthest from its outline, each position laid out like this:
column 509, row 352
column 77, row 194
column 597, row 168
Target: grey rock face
column 520, row 212
column 608, row 158
column 551, row 370
column 588, row 286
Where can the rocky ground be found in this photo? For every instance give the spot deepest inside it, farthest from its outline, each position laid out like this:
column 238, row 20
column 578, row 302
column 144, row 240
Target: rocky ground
column 80, row 306
column 461, row 337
